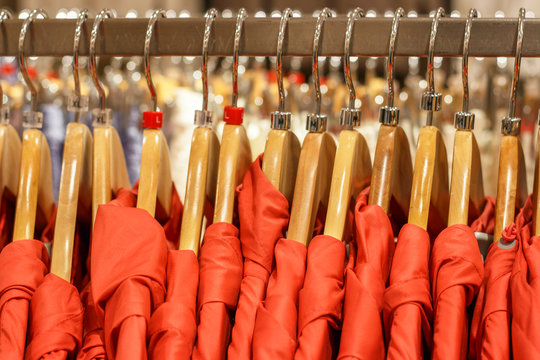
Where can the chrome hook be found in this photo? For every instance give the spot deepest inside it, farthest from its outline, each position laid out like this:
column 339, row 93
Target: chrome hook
column 149, row 30
column 317, row 122
column 32, row 118
column 464, row 120
column 205, row 117
column 431, row 101
column 5, row 14
column 389, row 114
column 242, row 14
column 511, row 125
column 281, row 120
column 76, row 102
column 105, row 13
column 350, row 116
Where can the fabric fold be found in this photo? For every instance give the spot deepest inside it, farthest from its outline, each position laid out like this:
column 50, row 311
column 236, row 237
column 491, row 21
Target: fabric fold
column 274, row 335
column 408, row 311
column 7, row 218
column 128, row 270
column 264, row 214
column 56, row 321
column 362, row 334
column 220, row 274
column 25, row 264
column 173, row 325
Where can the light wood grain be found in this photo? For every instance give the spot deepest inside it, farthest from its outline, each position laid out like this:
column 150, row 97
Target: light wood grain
column 430, row 178
column 201, row 185
column 511, row 184
column 351, row 174
column 109, row 171
column 392, row 170
column 536, row 205
column 234, row 161
column 467, row 183
column 155, row 182
column 35, row 195
column 312, row 186
column 75, row 194
column 280, row 161
column 10, row 159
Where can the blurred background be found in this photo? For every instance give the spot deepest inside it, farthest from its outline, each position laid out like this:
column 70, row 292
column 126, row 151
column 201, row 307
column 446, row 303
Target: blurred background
column 178, row 81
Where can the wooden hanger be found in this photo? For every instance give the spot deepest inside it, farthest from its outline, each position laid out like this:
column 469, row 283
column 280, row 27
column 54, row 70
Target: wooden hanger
column 235, row 151
column 282, row 148
column 109, row 171
column 203, row 162
column 352, row 164
column 316, row 161
column 430, row 177
column 75, row 190
column 10, row 142
column 155, row 182
column 35, row 199
column 536, row 188
column 391, row 179
column 466, row 185
column 512, row 179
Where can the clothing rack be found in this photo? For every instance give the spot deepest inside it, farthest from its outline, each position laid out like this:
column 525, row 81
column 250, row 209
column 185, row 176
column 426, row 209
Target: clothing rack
column 490, row 37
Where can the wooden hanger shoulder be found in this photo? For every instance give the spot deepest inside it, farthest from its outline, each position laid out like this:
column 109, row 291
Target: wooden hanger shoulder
column 312, row 186
column 351, row 173
column 35, row 195
column 201, row 185
column 74, row 195
column 234, row 161
column 511, row 184
column 10, row 159
column 392, row 170
column 109, row 172
column 467, row 184
column 536, row 186
column 280, row 160
column 430, row 178
column 155, row 182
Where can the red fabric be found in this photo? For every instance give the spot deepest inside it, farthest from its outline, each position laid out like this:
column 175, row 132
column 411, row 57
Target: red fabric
column 128, row 269
column 93, row 345
column 7, row 218
column 525, row 291
column 24, row 264
column 490, row 326
column 173, row 325
column 264, row 215
column 486, row 221
column 407, row 300
column 274, row 335
column 362, row 334
column 56, row 321
column 221, row 265
column 456, row 271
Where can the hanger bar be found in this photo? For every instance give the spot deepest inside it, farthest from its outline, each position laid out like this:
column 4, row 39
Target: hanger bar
column 490, row 37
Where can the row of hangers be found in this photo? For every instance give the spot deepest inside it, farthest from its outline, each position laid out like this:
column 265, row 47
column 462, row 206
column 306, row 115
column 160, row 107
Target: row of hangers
column 318, row 172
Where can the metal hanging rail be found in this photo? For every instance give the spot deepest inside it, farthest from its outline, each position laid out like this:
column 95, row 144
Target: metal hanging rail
column 490, row 37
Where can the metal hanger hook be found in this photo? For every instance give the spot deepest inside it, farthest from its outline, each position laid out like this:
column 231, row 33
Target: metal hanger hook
column 325, row 13
column 5, row 14
column 287, row 14
column 353, row 16
column 431, row 51
column 465, row 60
column 391, row 50
column 22, row 61
column 105, row 13
column 210, row 15
column 83, row 16
column 517, row 64
column 149, row 30
column 242, row 14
